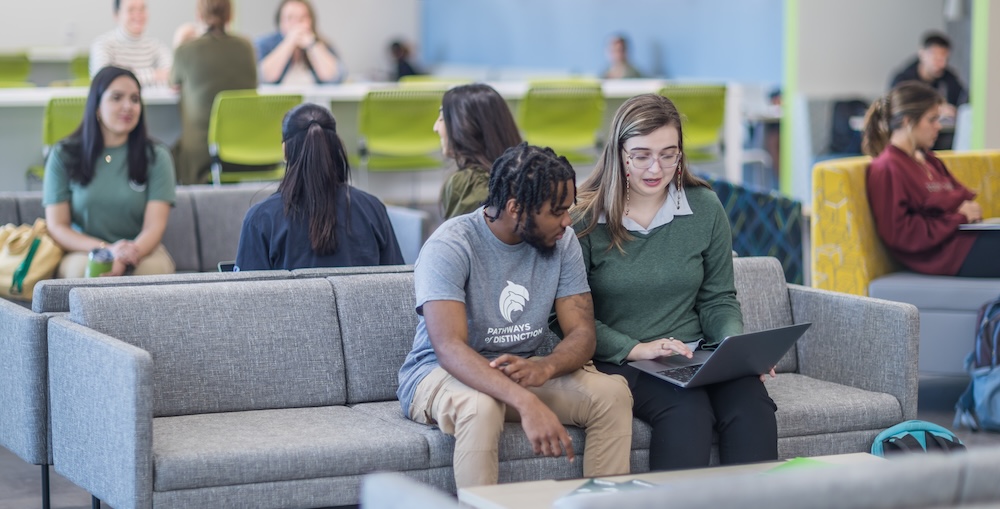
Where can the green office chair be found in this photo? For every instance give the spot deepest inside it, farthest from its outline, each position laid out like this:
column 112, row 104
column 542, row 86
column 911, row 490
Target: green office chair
column 62, row 117
column 702, row 109
column 245, row 128
column 14, row 70
column 564, row 115
column 396, row 129
column 79, row 67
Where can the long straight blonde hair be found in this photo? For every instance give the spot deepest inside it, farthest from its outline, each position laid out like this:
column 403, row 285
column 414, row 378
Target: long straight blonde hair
column 604, row 190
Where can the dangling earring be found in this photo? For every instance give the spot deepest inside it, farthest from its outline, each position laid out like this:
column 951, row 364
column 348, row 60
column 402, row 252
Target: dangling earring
column 627, row 187
column 678, row 189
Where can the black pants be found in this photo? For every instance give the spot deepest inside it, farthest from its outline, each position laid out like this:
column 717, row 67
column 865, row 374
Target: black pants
column 683, row 419
column 984, row 258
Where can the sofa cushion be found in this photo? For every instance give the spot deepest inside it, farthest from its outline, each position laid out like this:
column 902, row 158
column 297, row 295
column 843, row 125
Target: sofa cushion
column 29, row 206
column 935, row 292
column 378, row 320
column 52, row 295
column 807, row 406
column 180, row 238
column 763, row 295
column 245, row 345
column 8, row 209
column 223, row 449
column 219, row 217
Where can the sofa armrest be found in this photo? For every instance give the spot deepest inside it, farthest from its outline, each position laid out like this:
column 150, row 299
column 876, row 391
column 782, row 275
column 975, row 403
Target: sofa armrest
column 858, row 341
column 101, row 392
column 24, row 418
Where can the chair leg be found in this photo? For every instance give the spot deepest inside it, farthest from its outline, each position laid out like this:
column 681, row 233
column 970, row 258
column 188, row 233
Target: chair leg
column 216, row 174
column 95, row 503
column 45, row 487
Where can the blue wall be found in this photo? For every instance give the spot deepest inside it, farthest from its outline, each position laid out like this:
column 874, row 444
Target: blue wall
column 704, row 39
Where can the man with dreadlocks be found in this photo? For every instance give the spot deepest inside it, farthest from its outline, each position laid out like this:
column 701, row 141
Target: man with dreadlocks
column 485, row 284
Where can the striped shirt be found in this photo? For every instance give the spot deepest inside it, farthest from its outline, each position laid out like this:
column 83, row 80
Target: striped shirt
column 141, row 55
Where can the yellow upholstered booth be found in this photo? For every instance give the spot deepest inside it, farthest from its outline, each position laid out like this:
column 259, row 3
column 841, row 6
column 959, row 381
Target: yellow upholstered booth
column 846, row 251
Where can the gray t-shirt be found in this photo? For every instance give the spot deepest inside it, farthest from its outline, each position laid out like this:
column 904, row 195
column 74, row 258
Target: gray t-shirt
column 508, row 292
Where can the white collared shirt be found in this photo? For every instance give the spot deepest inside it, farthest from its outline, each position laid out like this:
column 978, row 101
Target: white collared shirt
column 665, row 215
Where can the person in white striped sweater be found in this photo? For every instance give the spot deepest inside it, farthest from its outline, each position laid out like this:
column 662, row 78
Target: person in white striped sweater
column 127, row 47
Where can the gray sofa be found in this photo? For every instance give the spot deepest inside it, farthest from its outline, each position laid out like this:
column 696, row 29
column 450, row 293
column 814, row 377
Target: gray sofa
column 915, row 481
column 285, row 395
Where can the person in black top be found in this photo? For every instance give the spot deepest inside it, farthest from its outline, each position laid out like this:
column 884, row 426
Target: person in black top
column 316, row 219
column 931, row 67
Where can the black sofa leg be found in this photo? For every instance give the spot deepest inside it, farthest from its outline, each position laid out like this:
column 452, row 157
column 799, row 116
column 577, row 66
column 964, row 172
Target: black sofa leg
column 95, row 503
column 45, row 487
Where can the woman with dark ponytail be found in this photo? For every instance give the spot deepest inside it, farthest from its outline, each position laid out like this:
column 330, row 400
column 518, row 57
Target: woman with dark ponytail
column 316, row 219
column 917, row 204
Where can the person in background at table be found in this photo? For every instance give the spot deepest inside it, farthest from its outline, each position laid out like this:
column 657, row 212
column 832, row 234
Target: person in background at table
column 620, row 67
column 931, row 67
column 916, row 202
column 109, row 185
column 400, row 52
column 316, row 219
column 475, row 126
column 127, row 47
column 203, row 67
column 485, row 283
column 657, row 248
column 296, row 54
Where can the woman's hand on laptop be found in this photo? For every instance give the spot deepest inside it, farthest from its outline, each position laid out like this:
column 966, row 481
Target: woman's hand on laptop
column 763, row 378
column 655, row 349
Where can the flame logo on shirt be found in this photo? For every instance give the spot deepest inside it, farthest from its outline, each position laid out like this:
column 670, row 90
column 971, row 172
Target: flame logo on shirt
column 512, row 299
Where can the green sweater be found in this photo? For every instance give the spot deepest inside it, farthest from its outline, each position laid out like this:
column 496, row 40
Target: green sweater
column 464, row 191
column 675, row 281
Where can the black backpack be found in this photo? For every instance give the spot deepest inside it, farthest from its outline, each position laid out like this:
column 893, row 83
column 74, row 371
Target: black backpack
column 979, row 406
column 843, row 138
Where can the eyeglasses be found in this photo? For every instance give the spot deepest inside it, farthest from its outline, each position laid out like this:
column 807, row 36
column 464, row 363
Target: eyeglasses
column 644, row 161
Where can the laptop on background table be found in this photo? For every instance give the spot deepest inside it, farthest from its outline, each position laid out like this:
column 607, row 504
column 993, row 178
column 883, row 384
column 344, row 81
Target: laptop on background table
column 752, row 353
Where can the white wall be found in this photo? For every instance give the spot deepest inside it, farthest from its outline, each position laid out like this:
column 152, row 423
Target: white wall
column 360, row 29
column 851, row 47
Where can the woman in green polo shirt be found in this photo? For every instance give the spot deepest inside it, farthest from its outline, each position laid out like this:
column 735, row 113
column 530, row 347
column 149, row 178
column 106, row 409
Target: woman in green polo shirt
column 109, row 185
column 475, row 126
column 657, row 248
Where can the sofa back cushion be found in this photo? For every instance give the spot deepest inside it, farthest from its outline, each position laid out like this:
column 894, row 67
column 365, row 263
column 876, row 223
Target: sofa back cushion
column 246, row 345
column 763, row 296
column 8, row 209
column 29, row 206
column 219, row 213
column 378, row 321
column 180, row 238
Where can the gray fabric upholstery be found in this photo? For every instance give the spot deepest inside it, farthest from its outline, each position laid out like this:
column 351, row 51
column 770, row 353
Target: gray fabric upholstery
column 377, row 319
column 227, row 347
column 396, row 491
column 763, row 296
column 807, row 406
column 180, row 238
column 233, row 448
column 8, row 209
column 52, row 295
column 220, row 215
column 101, row 392
column 347, row 271
column 860, row 342
column 935, row 292
column 29, row 206
column 24, row 427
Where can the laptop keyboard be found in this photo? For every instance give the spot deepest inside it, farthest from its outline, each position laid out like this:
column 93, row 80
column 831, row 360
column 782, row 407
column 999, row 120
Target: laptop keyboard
column 683, row 374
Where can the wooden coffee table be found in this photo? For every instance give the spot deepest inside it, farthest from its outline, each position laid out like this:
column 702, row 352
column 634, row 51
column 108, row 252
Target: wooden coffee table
column 542, row 494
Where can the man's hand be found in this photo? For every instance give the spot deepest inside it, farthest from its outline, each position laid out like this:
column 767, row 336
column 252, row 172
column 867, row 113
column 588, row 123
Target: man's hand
column 663, row 347
column 547, row 435
column 125, row 251
column 524, row 372
column 947, row 110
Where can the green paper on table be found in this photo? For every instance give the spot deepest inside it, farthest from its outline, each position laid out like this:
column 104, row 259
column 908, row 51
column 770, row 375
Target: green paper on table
column 799, row 463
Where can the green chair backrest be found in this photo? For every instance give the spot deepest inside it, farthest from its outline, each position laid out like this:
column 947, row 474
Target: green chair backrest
column 62, row 117
column 245, row 127
column 14, row 67
column 702, row 109
column 79, row 67
column 16, row 84
column 399, row 122
column 562, row 114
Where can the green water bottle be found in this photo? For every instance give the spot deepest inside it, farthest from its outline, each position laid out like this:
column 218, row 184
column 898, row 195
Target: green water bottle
column 99, row 261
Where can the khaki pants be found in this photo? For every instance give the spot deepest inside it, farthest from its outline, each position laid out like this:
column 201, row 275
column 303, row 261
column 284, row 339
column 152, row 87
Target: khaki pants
column 74, row 264
column 601, row 404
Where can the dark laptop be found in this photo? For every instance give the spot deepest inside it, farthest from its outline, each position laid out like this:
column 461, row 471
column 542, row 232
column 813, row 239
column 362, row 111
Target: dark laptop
column 736, row 356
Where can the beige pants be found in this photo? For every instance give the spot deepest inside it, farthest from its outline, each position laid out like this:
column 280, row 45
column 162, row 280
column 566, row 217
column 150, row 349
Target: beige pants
column 599, row 403
column 74, row 264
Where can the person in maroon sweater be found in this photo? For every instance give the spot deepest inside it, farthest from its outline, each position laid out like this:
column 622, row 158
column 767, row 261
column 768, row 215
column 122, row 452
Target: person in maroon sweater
column 916, row 202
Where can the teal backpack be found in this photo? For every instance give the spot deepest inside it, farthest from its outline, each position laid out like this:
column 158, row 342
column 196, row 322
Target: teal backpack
column 915, row 436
